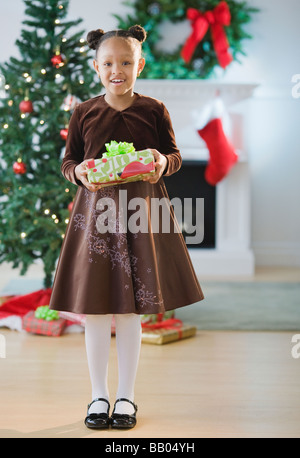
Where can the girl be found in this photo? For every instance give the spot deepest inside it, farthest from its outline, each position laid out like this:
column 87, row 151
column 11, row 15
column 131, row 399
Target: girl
column 119, row 273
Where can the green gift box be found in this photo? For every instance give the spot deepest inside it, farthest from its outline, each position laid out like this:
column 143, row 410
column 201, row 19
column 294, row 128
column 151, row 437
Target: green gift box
column 120, row 164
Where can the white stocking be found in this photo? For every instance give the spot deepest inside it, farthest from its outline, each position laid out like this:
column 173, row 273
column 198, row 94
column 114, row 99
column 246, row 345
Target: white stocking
column 97, row 340
column 128, row 338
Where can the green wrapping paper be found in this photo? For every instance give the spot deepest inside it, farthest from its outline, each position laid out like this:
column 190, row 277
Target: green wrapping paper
column 120, row 164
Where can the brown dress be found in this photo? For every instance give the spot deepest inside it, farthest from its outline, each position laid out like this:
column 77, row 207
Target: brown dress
column 121, row 271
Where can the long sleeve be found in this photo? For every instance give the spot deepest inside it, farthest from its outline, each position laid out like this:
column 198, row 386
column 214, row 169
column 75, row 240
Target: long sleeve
column 146, row 123
column 74, row 153
column 168, row 145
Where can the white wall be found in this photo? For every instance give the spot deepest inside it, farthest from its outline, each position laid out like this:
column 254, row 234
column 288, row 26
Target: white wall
column 273, row 139
column 273, row 115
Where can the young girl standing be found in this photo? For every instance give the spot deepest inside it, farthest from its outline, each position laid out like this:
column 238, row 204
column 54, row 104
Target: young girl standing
column 119, row 273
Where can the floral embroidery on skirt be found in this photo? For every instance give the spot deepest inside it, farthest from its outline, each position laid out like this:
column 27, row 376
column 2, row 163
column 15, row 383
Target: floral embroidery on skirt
column 114, row 245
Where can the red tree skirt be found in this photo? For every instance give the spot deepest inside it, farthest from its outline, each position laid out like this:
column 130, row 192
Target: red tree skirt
column 20, row 305
column 13, row 310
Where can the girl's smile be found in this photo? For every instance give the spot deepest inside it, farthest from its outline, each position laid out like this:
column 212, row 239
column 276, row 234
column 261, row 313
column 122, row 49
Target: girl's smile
column 117, row 81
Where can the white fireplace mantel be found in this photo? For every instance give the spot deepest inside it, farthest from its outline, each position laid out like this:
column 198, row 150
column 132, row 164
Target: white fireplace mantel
column 198, row 90
column 233, row 255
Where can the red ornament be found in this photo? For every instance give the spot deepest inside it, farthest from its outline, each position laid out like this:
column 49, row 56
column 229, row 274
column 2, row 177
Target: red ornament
column 57, row 60
column 70, row 206
column 64, row 134
column 19, row 168
column 26, row 106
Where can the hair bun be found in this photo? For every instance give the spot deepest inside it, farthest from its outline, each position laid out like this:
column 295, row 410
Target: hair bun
column 94, row 37
column 138, row 32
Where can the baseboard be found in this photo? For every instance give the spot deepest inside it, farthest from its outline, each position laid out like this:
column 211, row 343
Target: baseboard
column 218, row 263
column 284, row 254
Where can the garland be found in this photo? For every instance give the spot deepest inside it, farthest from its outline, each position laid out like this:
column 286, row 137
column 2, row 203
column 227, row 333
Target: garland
column 215, row 40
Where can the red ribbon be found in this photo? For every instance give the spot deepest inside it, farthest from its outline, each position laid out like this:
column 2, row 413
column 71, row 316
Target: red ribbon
column 171, row 323
column 216, row 19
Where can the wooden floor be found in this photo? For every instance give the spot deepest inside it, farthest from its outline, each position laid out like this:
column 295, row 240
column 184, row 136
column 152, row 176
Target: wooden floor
column 219, row 384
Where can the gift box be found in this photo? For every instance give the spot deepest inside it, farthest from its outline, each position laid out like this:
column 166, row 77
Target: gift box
column 166, row 331
column 145, row 320
column 120, row 164
column 40, row 326
column 157, row 317
column 75, row 318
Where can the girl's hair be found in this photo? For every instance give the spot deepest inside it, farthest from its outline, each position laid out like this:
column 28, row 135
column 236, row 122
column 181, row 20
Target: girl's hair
column 96, row 37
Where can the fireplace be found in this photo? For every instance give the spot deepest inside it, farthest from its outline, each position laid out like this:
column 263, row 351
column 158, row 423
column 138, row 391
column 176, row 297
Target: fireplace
column 189, row 183
column 225, row 250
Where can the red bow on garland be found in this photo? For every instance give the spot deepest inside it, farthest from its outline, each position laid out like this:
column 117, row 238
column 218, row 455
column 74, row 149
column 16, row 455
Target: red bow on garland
column 216, row 19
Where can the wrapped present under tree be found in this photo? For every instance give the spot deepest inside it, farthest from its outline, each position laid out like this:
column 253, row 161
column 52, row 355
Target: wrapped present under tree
column 44, row 322
column 166, row 331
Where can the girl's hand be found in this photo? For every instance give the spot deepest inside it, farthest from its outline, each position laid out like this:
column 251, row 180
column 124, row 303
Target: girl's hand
column 81, row 172
column 160, row 165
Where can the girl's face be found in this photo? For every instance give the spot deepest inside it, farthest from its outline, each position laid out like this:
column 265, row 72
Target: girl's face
column 118, row 64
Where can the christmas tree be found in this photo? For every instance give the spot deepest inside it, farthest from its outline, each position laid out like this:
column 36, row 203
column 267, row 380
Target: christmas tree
column 39, row 91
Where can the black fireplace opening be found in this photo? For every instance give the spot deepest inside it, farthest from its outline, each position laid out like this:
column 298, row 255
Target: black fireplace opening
column 190, row 186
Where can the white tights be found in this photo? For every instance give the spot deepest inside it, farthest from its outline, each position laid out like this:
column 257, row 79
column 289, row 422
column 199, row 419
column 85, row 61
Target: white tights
column 97, row 340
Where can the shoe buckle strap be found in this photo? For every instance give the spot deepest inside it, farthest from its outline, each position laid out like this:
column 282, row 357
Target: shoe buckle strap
column 99, row 399
column 127, row 400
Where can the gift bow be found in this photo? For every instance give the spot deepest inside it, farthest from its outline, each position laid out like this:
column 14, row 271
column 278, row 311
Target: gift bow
column 216, row 19
column 115, row 148
column 44, row 313
column 171, row 323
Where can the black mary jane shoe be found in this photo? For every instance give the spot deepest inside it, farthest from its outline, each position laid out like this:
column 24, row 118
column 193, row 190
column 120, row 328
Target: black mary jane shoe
column 97, row 420
column 121, row 420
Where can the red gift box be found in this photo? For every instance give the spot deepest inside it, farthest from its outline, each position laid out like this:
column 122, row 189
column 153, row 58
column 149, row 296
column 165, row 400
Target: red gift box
column 47, row 328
